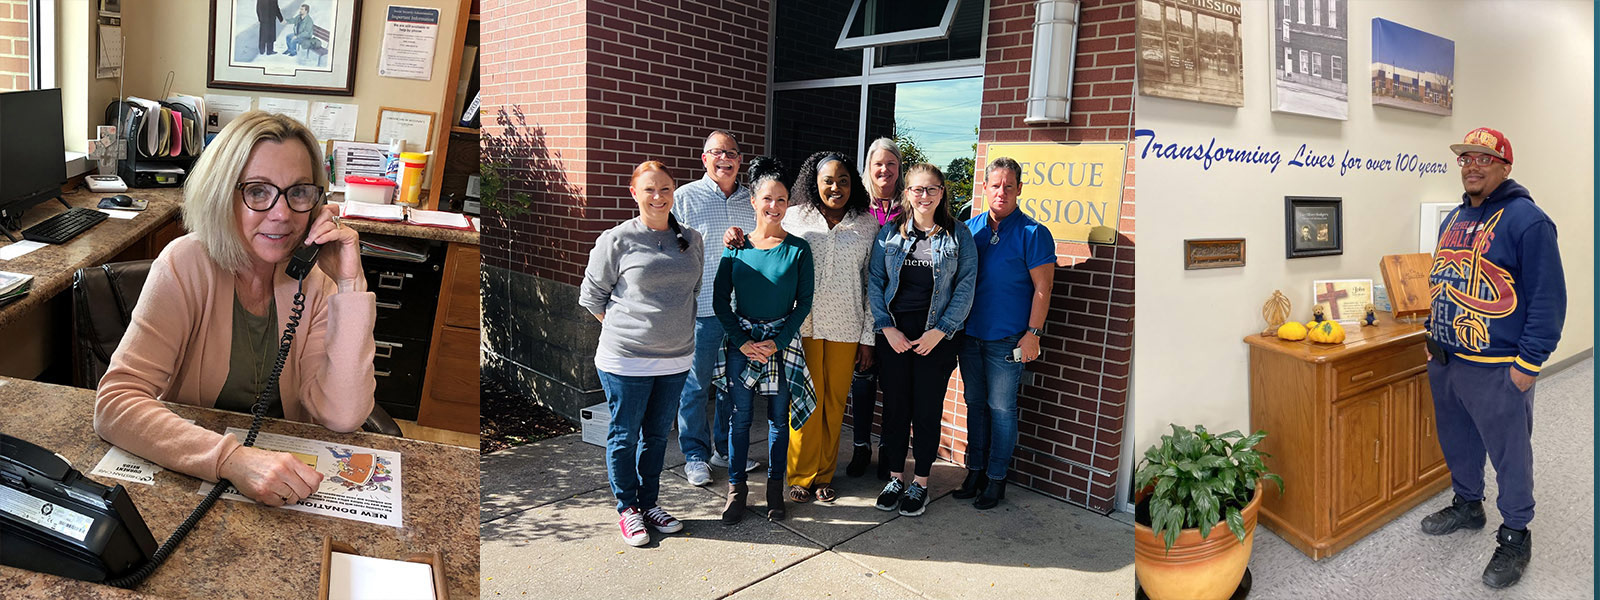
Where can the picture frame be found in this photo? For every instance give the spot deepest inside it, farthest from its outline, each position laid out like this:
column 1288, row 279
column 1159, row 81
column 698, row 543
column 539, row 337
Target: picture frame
column 1213, row 253
column 1170, row 65
column 406, row 124
column 1313, row 226
column 1412, row 69
column 240, row 57
column 1310, row 59
column 1342, row 300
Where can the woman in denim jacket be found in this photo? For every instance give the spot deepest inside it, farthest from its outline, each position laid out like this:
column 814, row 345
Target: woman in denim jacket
column 922, row 271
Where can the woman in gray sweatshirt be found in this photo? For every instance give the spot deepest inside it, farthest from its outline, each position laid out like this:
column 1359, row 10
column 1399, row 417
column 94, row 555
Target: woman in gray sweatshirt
column 641, row 283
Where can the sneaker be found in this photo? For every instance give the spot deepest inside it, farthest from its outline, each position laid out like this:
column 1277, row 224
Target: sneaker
column 659, row 520
column 1510, row 558
column 889, row 499
column 632, row 524
column 718, row 460
column 915, row 501
column 1461, row 514
column 698, row 472
column 860, row 459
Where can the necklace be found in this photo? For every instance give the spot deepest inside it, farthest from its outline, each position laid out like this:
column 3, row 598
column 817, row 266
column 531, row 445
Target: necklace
column 994, row 232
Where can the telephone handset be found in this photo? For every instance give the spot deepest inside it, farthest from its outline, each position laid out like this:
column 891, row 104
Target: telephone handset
column 303, row 260
column 300, row 265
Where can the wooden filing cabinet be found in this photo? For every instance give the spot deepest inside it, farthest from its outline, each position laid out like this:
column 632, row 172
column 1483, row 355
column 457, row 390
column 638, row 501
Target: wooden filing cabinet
column 1351, row 431
column 450, row 393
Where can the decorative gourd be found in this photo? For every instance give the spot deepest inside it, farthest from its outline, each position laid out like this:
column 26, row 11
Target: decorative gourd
column 1327, row 332
column 1292, row 331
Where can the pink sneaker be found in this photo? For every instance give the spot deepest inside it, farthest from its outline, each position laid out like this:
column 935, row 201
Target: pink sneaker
column 632, row 524
column 660, row 521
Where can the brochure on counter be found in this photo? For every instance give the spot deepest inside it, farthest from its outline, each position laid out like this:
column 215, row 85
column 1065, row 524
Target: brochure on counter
column 360, row 484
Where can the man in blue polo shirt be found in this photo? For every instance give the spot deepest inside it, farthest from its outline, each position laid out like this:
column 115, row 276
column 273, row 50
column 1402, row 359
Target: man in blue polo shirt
column 1016, row 267
column 710, row 205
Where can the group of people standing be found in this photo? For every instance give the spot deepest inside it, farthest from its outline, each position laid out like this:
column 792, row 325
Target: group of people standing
column 819, row 290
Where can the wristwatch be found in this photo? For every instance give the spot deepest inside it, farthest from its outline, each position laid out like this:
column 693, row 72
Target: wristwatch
column 1038, row 331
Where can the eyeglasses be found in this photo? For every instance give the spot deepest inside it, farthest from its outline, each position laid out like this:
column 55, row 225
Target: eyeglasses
column 1482, row 160
column 929, row 190
column 720, row 153
column 261, row 196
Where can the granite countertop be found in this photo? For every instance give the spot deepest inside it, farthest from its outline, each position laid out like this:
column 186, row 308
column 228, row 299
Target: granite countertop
column 53, row 265
column 240, row 549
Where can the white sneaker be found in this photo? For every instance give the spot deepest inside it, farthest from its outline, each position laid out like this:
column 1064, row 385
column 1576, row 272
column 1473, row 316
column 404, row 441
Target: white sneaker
column 698, row 472
column 718, row 460
column 632, row 523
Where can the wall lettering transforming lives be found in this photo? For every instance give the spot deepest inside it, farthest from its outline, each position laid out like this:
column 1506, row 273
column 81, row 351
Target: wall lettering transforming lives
column 1304, row 156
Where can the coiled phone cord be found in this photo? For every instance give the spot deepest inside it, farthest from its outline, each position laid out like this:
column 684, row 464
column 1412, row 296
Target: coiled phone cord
column 258, row 411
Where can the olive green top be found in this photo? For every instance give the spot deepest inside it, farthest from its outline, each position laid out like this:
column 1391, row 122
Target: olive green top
column 254, row 351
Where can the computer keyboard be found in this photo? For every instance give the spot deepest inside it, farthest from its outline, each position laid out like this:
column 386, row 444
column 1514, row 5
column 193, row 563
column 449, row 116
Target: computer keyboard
column 65, row 226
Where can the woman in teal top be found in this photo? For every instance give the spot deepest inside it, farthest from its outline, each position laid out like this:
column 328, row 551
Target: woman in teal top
column 762, row 293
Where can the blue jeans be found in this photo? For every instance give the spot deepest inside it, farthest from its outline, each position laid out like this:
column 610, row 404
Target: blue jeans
column 641, row 407
column 990, row 392
column 743, row 401
column 694, row 434
column 288, row 42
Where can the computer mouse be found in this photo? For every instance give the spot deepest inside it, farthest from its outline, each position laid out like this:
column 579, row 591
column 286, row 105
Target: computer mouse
column 122, row 200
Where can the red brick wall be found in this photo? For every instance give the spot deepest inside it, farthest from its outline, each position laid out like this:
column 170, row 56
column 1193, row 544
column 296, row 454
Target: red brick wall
column 1077, row 411
column 13, row 45
column 611, row 84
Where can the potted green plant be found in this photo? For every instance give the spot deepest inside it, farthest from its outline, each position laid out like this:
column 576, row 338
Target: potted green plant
column 1195, row 489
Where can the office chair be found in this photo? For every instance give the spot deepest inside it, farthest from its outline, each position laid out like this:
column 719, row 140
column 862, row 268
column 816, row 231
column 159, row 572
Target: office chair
column 102, row 307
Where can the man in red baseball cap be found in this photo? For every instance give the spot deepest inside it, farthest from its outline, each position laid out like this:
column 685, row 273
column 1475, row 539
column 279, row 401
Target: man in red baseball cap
column 1499, row 301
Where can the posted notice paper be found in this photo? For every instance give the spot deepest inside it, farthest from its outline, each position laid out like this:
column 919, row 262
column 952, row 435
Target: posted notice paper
column 296, row 109
column 409, row 33
column 331, row 121
column 222, row 109
column 360, row 484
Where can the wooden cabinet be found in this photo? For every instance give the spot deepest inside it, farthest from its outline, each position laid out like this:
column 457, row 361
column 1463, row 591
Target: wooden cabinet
column 1351, row 431
column 450, row 392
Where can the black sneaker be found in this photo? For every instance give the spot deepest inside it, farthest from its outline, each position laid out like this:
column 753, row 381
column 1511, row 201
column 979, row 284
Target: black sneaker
column 889, row 499
column 1510, row 558
column 860, row 458
column 1460, row 514
column 915, row 500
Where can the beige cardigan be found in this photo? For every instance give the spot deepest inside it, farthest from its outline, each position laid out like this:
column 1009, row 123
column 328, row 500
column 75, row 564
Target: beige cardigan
column 177, row 349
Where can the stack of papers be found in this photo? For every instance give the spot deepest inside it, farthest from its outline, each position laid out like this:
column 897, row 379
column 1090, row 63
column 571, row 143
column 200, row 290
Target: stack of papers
column 437, row 218
column 384, row 246
column 374, row 212
column 14, row 286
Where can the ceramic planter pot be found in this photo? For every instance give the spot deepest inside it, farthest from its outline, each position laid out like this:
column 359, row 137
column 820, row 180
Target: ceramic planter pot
column 1197, row 568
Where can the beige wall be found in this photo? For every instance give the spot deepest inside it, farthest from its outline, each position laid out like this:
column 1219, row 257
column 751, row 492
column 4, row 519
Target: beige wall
column 1523, row 67
column 172, row 35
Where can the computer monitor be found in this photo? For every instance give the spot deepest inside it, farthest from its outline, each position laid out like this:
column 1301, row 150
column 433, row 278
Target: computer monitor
column 32, row 151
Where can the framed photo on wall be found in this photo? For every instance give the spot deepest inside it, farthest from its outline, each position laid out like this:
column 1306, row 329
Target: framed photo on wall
column 1412, row 69
column 1313, row 226
column 297, row 46
column 1310, row 58
column 1177, row 62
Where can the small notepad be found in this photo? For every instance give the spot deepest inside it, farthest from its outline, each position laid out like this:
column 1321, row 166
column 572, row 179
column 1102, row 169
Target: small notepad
column 354, row 577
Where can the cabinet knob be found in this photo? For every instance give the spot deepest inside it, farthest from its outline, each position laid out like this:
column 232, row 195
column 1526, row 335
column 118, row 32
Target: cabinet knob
column 1376, row 444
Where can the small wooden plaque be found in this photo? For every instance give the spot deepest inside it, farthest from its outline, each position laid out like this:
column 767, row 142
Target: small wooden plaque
column 1213, row 253
column 1405, row 276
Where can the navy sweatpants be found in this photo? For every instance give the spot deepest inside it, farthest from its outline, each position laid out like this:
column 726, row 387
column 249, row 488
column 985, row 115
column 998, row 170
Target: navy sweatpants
column 1481, row 412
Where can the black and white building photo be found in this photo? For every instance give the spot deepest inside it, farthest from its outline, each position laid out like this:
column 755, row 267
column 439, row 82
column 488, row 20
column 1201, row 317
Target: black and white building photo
column 1310, row 41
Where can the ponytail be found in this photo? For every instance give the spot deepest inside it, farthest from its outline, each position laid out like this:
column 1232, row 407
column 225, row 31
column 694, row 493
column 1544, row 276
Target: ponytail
column 683, row 243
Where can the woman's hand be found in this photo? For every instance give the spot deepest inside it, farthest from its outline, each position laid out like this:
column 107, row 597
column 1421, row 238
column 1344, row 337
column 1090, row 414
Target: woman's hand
column 754, row 351
column 733, row 239
column 897, row 341
column 925, row 344
column 863, row 358
column 271, row 478
column 340, row 257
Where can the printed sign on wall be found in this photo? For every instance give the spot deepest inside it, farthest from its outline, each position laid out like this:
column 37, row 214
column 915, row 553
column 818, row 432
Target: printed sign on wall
column 1071, row 188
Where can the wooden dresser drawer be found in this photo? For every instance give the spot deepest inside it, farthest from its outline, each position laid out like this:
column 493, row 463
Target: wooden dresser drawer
column 1358, row 374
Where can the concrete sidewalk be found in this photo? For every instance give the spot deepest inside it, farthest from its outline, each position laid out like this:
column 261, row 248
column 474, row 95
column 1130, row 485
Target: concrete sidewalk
column 549, row 529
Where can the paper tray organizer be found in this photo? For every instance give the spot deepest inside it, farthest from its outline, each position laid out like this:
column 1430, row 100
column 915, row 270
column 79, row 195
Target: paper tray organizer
column 434, row 559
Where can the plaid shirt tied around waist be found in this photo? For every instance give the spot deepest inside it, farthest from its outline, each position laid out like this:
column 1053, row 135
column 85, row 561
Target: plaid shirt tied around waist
column 763, row 377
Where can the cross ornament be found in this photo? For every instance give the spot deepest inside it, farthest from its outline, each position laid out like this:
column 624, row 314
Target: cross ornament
column 1332, row 296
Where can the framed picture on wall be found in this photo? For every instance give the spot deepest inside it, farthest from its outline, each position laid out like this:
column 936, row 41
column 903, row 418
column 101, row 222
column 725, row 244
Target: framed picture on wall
column 1313, row 226
column 1412, row 69
column 1176, row 62
column 296, row 46
column 1310, row 58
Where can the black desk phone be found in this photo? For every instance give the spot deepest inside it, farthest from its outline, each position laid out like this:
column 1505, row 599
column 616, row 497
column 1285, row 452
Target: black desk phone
column 54, row 520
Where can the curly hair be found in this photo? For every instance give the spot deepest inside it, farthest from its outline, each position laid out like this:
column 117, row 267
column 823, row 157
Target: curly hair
column 805, row 184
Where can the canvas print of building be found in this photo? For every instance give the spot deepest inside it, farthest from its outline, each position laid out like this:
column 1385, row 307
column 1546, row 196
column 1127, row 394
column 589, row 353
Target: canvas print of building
column 1190, row 50
column 1412, row 69
column 1310, row 42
